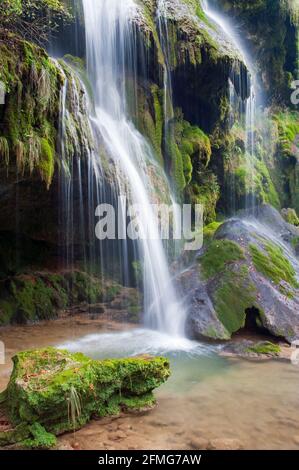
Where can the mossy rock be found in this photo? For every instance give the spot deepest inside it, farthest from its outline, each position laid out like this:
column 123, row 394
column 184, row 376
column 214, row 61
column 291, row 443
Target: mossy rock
column 245, row 276
column 290, row 216
column 52, row 391
column 219, row 255
column 223, row 267
column 273, row 264
column 264, row 348
column 35, row 296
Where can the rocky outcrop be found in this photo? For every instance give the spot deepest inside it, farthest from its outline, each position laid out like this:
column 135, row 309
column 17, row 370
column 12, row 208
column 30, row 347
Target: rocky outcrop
column 51, row 392
column 34, row 296
column 31, row 157
column 198, row 59
column 246, row 275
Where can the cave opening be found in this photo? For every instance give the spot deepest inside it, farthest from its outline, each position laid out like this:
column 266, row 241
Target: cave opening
column 253, row 323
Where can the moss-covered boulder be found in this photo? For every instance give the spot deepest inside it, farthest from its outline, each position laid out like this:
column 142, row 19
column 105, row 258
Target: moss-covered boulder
column 247, row 275
column 32, row 296
column 52, row 391
column 261, row 350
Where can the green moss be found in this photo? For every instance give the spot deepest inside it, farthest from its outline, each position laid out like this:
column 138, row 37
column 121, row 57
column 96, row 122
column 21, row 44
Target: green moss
column 33, row 299
column 205, row 191
column 251, row 177
column 47, row 161
column 4, row 150
column 39, row 296
column 290, row 216
column 19, row 434
column 7, row 311
column 234, row 295
column 219, row 254
column 41, row 439
column 43, row 382
column 189, row 150
column 28, row 130
column 288, row 128
column 196, row 144
column 210, row 230
column 295, row 242
column 146, row 109
column 158, row 119
column 178, row 165
column 273, row 264
column 264, row 186
column 266, row 348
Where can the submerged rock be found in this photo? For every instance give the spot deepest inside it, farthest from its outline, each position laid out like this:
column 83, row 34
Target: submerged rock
column 225, row 444
column 261, row 350
column 52, row 391
column 247, row 275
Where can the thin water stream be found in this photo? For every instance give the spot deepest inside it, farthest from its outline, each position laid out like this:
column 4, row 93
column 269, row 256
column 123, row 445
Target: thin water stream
column 242, row 110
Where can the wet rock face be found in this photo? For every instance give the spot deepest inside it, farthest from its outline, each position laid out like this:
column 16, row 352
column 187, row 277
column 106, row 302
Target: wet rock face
column 199, row 59
column 269, row 31
column 249, row 269
column 36, row 296
column 199, row 56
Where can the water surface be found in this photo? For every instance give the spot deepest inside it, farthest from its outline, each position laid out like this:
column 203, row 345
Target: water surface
column 208, row 396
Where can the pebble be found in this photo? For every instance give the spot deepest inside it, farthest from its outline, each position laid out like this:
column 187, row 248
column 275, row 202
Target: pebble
column 225, row 444
column 75, row 445
column 199, row 443
column 118, row 435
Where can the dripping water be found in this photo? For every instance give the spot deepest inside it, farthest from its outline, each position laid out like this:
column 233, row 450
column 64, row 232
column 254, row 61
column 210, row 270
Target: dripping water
column 243, row 102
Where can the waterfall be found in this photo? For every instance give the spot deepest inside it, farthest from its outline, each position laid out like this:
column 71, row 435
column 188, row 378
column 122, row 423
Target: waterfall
column 162, row 28
column 293, row 7
column 244, row 109
column 110, row 50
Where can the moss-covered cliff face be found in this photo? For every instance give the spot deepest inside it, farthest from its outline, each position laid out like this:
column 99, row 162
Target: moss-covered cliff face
column 31, row 155
column 270, row 28
column 183, row 120
column 178, row 97
column 286, row 168
column 188, row 124
column 30, row 115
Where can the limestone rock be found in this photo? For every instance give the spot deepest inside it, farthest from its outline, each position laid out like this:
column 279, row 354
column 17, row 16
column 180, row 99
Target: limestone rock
column 248, row 273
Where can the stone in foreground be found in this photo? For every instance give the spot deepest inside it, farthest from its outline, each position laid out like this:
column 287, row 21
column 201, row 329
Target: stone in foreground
column 52, row 391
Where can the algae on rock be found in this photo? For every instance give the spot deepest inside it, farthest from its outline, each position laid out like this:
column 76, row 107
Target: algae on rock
column 45, row 383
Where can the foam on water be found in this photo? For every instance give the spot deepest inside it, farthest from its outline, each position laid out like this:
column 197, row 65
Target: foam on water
column 136, row 342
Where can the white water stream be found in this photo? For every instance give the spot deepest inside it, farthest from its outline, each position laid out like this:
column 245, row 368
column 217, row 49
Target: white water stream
column 110, row 46
column 249, row 107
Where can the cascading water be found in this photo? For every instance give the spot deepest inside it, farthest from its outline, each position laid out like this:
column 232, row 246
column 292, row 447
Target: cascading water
column 109, row 49
column 243, row 104
column 162, row 27
column 293, row 6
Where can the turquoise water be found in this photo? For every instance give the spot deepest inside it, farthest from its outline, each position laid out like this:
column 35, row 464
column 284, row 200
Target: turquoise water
column 207, row 396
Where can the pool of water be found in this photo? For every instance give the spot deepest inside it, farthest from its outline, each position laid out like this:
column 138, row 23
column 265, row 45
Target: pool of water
column 208, row 396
